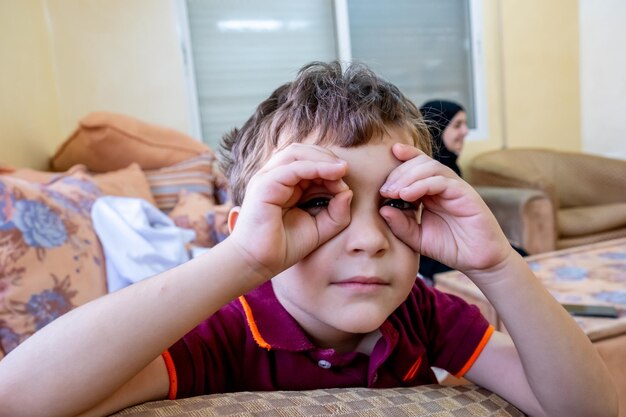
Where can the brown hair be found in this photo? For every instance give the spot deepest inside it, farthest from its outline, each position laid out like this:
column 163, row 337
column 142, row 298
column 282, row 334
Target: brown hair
column 346, row 108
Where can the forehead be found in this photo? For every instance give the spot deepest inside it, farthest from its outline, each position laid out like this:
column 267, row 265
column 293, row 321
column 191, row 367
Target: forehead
column 459, row 116
column 373, row 161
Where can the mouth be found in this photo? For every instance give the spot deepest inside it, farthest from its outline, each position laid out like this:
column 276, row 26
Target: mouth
column 362, row 283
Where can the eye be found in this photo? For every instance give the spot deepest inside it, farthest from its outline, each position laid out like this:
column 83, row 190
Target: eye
column 314, row 205
column 400, row 204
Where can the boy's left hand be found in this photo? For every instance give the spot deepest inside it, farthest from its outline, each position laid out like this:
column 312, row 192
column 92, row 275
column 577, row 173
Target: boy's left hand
column 457, row 227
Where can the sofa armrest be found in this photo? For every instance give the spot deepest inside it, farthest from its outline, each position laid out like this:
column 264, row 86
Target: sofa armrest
column 526, row 216
column 415, row 401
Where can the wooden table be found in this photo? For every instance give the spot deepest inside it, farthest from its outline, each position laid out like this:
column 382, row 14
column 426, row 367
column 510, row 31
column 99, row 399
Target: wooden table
column 590, row 274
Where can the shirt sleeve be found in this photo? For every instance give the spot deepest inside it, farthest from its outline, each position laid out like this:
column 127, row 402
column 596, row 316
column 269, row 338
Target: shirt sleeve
column 206, row 360
column 456, row 331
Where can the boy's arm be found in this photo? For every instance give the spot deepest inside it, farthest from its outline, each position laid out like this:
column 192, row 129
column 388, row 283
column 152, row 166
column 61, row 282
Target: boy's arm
column 85, row 357
column 82, row 358
column 551, row 369
column 548, row 366
column 150, row 384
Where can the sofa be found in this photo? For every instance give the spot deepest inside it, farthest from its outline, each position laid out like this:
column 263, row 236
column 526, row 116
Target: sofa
column 425, row 400
column 51, row 258
column 524, row 214
column 577, row 198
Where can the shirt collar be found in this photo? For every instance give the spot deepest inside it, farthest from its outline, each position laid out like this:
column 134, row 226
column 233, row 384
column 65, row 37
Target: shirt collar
column 271, row 325
column 274, row 328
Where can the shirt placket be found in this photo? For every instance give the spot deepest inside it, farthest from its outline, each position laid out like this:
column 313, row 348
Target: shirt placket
column 381, row 353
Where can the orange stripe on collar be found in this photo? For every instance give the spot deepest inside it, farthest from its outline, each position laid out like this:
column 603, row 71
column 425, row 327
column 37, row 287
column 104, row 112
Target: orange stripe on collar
column 252, row 324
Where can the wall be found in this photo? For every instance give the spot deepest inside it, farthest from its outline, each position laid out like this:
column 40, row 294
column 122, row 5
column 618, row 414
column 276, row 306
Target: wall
column 540, row 44
column 63, row 59
column 118, row 55
column 29, row 119
column 72, row 57
column 603, row 77
column 532, row 71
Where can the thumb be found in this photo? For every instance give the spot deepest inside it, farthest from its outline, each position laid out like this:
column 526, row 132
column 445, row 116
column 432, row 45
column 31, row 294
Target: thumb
column 335, row 218
column 404, row 227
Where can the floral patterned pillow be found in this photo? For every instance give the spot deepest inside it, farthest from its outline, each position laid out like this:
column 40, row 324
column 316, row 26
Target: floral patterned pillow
column 50, row 258
column 197, row 212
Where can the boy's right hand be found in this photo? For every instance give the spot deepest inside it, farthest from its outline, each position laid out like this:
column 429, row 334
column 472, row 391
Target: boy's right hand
column 271, row 231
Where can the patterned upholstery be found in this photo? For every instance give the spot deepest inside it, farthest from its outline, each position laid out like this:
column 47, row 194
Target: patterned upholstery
column 589, row 275
column 426, row 400
column 50, row 257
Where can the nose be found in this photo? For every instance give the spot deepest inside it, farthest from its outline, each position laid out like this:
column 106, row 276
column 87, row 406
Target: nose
column 465, row 130
column 367, row 233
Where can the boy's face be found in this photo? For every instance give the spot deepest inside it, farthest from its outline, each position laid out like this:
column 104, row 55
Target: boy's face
column 352, row 283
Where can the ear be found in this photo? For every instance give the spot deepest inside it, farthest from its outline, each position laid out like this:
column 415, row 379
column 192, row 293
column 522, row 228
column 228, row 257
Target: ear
column 233, row 215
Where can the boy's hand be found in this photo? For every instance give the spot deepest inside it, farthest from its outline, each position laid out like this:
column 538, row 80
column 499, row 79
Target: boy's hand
column 457, row 228
column 272, row 231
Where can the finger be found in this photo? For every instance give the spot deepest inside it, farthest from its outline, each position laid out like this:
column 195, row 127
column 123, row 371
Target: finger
column 335, row 186
column 332, row 186
column 337, row 216
column 416, row 169
column 405, row 228
column 300, row 152
column 299, row 171
column 435, row 234
column 405, row 152
column 408, row 173
column 443, row 187
column 280, row 185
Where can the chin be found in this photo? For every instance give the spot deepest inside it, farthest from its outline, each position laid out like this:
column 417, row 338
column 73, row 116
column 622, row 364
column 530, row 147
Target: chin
column 363, row 323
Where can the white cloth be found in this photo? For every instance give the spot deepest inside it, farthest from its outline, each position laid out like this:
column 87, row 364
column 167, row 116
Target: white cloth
column 138, row 239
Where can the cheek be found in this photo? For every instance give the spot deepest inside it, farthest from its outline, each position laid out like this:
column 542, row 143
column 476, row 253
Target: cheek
column 313, row 271
column 450, row 137
column 408, row 271
column 406, row 260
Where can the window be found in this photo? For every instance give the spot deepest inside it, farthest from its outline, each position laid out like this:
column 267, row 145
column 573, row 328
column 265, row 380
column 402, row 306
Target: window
column 238, row 51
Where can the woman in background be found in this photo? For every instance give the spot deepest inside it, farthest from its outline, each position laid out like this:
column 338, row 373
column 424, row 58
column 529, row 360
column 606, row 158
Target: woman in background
column 447, row 124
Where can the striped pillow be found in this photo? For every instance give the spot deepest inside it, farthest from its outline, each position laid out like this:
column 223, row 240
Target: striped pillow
column 194, row 175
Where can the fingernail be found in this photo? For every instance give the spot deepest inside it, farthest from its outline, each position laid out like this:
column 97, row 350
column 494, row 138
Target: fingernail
column 387, row 188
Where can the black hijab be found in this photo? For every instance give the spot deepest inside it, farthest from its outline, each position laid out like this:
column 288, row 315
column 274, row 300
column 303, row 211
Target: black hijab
column 438, row 114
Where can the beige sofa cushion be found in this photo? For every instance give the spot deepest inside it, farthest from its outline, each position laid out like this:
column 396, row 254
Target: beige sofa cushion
column 581, row 221
column 571, row 179
column 108, row 141
column 126, row 182
column 588, row 192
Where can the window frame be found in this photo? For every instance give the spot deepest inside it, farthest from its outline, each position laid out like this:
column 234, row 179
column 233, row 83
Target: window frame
column 184, row 35
column 344, row 54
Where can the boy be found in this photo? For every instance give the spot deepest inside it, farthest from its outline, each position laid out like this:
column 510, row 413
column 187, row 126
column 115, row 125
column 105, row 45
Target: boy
column 329, row 178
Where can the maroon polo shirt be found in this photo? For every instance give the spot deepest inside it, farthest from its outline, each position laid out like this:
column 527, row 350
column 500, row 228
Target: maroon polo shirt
column 253, row 344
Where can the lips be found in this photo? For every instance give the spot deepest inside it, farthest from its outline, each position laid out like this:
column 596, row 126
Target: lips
column 362, row 281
